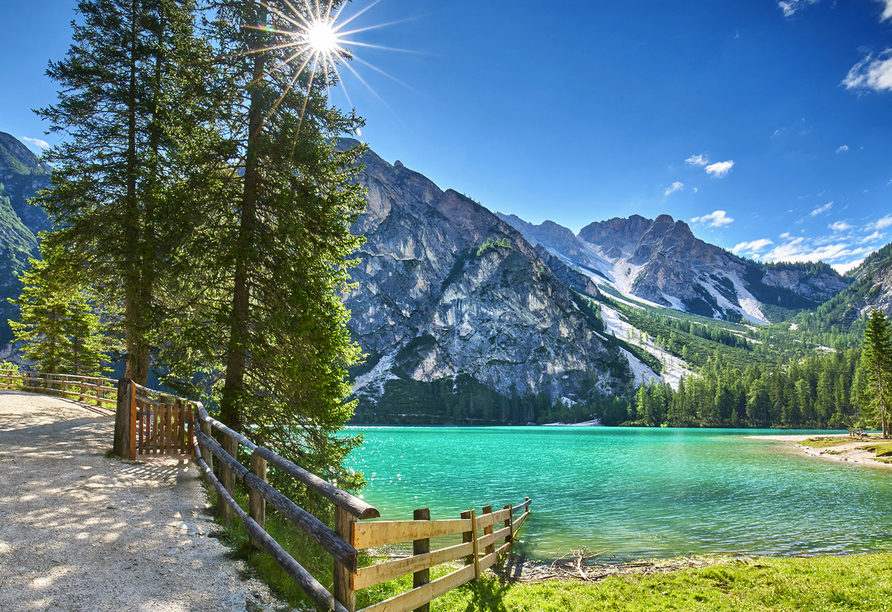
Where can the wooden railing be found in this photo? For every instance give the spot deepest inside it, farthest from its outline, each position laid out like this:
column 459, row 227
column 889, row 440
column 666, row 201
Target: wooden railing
column 212, row 440
column 478, row 549
column 84, row 388
column 350, row 536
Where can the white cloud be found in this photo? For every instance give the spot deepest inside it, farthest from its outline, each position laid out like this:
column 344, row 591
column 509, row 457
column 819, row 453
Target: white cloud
column 752, row 247
column 887, row 11
column 676, row 186
column 720, row 169
column 840, row 226
column 871, row 73
column 789, row 7
column 37, row 142
column 836, row 253
column 880, row 224
column 842, row 148
column 716, row 219
column 785, row 235
column 697, row 160
column 872, row 238
column 845, row 267
column 821, row 209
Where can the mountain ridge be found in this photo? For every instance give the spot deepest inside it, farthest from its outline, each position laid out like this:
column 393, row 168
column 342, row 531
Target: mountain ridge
column 662, row 262
column 445, row 290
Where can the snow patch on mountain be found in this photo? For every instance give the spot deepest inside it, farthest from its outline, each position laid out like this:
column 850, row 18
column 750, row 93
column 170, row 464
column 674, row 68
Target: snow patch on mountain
column 674, row 369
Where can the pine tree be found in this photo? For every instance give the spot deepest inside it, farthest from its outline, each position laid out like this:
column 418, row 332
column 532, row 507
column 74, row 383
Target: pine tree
column 128, row 103
column 262, row 313
column 876, row 364
column 59, row 328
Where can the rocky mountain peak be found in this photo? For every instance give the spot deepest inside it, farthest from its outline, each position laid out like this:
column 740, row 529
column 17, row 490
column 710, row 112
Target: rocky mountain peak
column 663, row 262
column 447, row 290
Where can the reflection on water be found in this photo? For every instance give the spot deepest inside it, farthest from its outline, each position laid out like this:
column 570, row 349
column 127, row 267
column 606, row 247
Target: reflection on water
column 632, row 492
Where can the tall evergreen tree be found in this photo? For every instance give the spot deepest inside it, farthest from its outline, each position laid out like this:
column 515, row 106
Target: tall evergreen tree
column 876, row 363
column 264, row 314
column 59, row 327
column 128, row 94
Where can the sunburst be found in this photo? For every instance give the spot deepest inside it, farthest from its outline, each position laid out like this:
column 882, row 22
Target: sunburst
column 314, row 41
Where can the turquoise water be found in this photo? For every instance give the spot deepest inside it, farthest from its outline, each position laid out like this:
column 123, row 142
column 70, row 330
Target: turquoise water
column 633, row 493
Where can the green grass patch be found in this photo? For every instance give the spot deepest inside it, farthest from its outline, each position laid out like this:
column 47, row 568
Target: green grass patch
column 262, row 566
column 883, row 449
column 824, row 441
column 820, row 584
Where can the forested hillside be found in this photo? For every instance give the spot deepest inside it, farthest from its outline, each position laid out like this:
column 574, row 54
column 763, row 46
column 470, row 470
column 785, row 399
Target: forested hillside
column 21, row 177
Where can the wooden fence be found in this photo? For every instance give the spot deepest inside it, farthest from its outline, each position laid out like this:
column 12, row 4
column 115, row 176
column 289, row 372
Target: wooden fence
column 149, row 422
column 84, row 388
column 478, row 550
column 168, row 427
column 350, row 535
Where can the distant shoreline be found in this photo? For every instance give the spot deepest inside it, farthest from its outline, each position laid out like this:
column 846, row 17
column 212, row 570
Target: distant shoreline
column 849, row 449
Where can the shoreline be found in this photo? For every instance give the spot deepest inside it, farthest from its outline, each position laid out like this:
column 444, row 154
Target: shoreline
column 849, row 449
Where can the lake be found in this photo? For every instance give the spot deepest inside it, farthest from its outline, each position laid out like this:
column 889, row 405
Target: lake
column 633, row 492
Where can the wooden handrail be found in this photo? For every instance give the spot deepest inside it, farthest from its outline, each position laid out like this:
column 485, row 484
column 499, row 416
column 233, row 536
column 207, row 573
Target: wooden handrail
column 66, row 381
column 318, row 593
column 318, row 531
column 349, row 535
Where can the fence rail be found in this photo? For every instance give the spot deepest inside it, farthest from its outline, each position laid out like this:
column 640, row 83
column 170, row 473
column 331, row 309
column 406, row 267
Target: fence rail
column 69, row 385
column 150, row 421
column 477, row 549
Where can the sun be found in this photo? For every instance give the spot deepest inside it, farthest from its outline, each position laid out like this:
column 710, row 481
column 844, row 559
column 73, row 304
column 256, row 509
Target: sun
column 312, row 41
column 323, row 39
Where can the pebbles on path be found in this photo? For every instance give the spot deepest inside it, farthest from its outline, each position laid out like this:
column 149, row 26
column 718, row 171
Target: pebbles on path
column 83, row 532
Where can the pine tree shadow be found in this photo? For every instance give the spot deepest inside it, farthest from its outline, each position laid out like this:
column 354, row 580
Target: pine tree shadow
column 487, row 594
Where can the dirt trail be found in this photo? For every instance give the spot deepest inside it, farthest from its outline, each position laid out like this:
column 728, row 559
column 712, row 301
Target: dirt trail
column 82, row 532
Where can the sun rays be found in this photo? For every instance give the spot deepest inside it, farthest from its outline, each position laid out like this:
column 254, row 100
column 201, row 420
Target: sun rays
column 314, row 42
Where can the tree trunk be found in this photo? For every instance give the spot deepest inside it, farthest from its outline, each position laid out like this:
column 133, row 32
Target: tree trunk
column 134, row 319
column 237, row 352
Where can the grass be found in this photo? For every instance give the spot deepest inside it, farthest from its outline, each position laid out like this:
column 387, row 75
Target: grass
column 883, row 449
column 820, row 584
column 825, row 441
column 816, row 584
column 262, row 566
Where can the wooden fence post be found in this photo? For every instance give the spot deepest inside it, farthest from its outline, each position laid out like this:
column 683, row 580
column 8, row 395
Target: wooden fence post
column 256, row 502
column 467, row 536
column 420, row 547
column 227, row 479
column 123, row 416
column 509, row 522
column 343, row 590
column 476, row 544
column 491, row 548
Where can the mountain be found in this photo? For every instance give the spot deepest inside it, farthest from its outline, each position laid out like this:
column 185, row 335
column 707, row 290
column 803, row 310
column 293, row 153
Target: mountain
column 875, row 272
column 871, row 288
column 661, row 262
column 22, row 175
column 458, row 313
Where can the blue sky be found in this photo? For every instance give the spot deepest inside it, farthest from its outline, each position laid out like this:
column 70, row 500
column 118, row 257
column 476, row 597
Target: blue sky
column 767, row 125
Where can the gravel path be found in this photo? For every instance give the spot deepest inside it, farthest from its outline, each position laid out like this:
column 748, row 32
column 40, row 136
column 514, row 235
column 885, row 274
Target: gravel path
column 82, row 532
